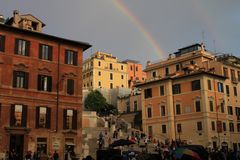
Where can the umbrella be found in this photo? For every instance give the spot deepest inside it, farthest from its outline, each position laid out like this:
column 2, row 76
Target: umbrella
column 121, row 142
column 180, row 153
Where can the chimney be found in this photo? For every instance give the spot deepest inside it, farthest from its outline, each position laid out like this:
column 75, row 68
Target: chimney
column 2, row 20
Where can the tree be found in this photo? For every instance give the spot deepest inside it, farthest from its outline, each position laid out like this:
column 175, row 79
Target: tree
column 95, row 101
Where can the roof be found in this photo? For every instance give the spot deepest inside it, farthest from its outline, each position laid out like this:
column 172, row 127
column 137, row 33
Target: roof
column 181, row 76
column 129, row 60
column 84, row 45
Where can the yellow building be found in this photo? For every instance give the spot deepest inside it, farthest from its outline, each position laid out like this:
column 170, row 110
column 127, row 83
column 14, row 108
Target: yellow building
column 192, row 97
column 103, row 70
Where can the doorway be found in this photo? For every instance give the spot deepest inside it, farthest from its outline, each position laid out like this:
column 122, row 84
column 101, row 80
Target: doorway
column 17, row 145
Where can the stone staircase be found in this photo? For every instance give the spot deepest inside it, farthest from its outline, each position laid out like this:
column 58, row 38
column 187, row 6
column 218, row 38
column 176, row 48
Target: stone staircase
column 90, row 134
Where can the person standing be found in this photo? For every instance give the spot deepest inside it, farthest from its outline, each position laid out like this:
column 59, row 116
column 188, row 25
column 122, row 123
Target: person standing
column 55, row 155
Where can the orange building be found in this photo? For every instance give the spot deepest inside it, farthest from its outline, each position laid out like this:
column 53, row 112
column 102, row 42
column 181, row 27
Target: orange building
column 192, row 97
column 40, row 89
column 135, row 72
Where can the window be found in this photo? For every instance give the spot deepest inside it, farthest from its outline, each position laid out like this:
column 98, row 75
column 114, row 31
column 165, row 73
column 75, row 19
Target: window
column 177, row 67
column 238, row 127
column 227, row 90
column 225, row 71
column 163, row 112
column 161, row 90
column 111, row 85
column 167, row 71
column 209, row 84
column 71, row 57
column 69, row 119
column 192, row 62
column 99, row 73
column 18, row 116
column 150, row 130
column 237, row 111
column 178, row 109
column 121, row 67
column 135, row 106
column 220, row 87
column 148, row 93
column 224, row 126
column 235, row 91
column 70, row 86
column 179, row 128
column 164, row 128
column 99, row 63
column 176, row 89
column 231, row 126
column 131, row 68
column 99, row 83
column 222, row 107
column 211, row 105
column 110, row 66
column 154, row 74
column 196, row 85
column 22, row 47
column 213, row 126
column 136, row 68
column 199, row 126
column 42, row 145
column 43, row 117
column 44, row 83
column 45, row 52
column 198, row 106
column 233, row 76
column 111, row 76
column 2, row 43
column 230, row 110
column 149, row 112
column 122, row 77
column 20, row 79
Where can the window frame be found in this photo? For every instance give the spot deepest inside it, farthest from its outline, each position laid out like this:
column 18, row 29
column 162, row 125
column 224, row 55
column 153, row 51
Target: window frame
column 22, row 47
column 45, row 52
column 71, row 57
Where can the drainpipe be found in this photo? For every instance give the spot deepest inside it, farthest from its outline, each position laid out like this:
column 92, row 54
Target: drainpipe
column 58, row 83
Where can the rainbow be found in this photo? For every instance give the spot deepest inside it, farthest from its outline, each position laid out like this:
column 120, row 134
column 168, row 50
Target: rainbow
column 123, row 8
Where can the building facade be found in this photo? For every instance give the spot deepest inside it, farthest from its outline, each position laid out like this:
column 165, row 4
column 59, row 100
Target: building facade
column 103, row 70
column 193, row 97
column 40, row 89
column 135, row 72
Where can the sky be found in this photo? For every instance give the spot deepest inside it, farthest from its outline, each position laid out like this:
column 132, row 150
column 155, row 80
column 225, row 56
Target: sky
column 142, row 30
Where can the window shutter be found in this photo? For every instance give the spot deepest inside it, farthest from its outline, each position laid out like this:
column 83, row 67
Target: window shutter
column 48, row 121
column 39, row 82
column 12, row 115
column 64, row 119
column 16, row 46
column 66, row 57
column 40, row 51
column 14, row 78
column 2, row 43
column 24, row 116
column 27, row 48
column 50, row 52
column 37, row 116
column 26, row 80
column 74, row 124
column 75, row 58
column 49, row 84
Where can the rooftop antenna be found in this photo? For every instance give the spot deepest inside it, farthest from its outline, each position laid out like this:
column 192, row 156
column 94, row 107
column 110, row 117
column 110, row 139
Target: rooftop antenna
column 214, row 46
column 203, row 37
